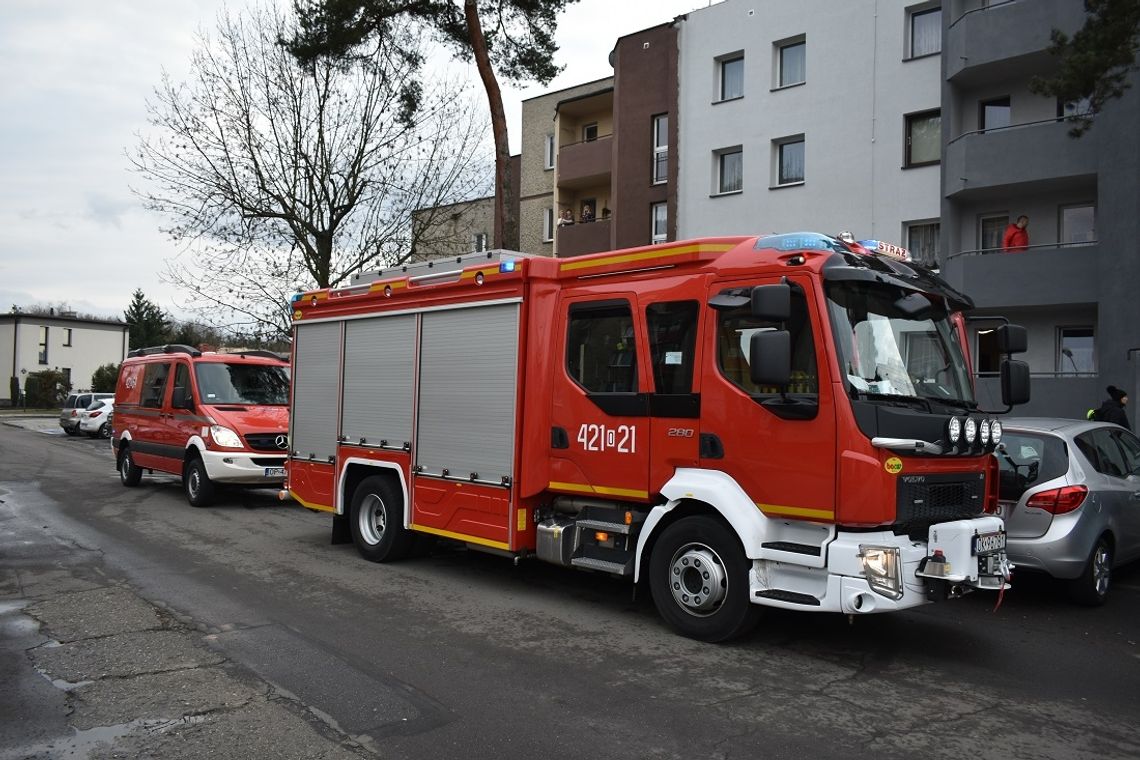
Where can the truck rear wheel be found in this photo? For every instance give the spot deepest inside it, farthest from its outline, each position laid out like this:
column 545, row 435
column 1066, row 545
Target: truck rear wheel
column 377, row 521
column 699, row 578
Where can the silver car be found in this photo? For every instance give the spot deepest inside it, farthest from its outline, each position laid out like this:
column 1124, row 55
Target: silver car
column 75, row 404
column 1070, row 496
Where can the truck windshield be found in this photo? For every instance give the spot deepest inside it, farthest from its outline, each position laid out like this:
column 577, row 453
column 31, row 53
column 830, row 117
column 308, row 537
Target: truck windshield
column 250, row 384
column 894, row 342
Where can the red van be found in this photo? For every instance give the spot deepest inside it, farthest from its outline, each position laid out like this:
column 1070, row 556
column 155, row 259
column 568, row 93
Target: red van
column 212, row 419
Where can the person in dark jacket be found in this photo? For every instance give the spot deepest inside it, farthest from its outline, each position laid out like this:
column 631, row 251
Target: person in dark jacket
column 1112, row 410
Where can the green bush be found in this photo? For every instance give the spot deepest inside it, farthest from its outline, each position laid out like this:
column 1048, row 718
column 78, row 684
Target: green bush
column 46, row 389
column 103, row 380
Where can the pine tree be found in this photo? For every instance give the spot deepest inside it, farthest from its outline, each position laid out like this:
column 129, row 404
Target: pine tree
column 149, row 324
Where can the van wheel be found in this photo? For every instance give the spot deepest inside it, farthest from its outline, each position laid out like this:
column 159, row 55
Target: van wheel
column 1091, row 588
column 699, row 578
column 200, row 490
column 377, row 521
column 129, row 473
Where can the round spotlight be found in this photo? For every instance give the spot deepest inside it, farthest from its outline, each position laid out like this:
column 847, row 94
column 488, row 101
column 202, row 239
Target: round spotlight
column 971, row 431
column 995, row 432
column 954, row 430
column 984, row 432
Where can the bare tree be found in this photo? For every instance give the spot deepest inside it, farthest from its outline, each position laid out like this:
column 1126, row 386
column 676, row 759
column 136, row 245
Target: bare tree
column 278, row 174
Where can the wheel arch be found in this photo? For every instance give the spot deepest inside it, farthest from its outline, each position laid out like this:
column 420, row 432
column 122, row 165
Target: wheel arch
column 356, row 469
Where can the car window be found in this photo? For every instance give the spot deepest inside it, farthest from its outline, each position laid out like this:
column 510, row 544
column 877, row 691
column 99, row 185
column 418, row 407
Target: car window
column 1026, row 459
column 1104, row 455
column 98, row 404
column 154, row 384
column 1130, row 445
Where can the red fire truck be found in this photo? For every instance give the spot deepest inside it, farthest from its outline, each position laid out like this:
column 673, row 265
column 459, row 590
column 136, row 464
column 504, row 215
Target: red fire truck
column 778, row 421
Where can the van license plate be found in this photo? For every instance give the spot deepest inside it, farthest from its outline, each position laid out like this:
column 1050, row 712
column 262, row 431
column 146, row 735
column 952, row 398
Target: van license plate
column 988, row 543
column 274, row 472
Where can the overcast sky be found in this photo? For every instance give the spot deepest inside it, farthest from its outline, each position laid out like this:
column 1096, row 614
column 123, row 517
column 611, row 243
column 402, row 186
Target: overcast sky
column 75, row 78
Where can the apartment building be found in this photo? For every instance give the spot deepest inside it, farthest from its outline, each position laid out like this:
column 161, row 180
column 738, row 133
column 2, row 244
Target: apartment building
column 74, row 345
column 1006, row 153
column 818, row 116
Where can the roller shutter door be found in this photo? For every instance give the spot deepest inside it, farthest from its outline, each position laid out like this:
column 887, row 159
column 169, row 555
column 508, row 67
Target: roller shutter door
column 379, row 377
column 316, row 390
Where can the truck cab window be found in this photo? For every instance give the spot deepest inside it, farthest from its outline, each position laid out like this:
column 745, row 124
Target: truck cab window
column 601, row 352
column 672, row 344
column 734, row 333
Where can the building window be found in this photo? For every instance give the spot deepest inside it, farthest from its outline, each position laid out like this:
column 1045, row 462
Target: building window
column 1078, row 224
column 590, row 132
column 789, row 153
column 547, row 225
column 548, row 153
column 660, row 149
column 479, row 242
column 923, row 138
column 730, row 170
column 925, row 31
column 1076, row 351
column 43, row 356
column 922, row 240
column 731, row 77
column 791, row 62
column 993, row 114
column 67, row 336
column 659, row 232
column 991, row 227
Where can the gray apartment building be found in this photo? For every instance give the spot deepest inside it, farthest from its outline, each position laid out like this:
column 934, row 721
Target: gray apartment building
column 1006, row 152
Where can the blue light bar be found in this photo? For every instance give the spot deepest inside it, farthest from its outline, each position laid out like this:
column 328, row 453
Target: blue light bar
column 507, row 265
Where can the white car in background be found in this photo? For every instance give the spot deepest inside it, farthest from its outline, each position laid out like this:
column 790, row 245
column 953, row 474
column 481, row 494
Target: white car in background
column 95, row 420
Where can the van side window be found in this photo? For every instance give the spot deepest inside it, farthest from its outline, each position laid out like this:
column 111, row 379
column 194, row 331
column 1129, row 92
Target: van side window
column 181, row 383
column 601, row 352
column 154, row 384
column 734, row 334
column 672, row 344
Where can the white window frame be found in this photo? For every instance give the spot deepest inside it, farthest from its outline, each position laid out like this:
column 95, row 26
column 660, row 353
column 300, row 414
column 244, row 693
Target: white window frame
column 479, row 242
column 656, row 236
column 585, row 130
column 912, row 13
column 908, row 120
column 982, row 218
column 778, row 146
column 659, row 125
column 909, row 226
column 718, row 170
column 778, row 49
column 721, row 62
column 548, row 225
column 1061, row 232
column 548, row 152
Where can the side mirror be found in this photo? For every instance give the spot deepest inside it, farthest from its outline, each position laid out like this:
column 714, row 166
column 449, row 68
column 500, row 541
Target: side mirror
column 772, row 303
column 1012, row 339
column 182, row 399
column 1014, row 381
column 770, row 356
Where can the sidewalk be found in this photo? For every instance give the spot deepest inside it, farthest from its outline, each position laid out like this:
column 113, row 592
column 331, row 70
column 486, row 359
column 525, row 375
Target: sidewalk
column 91, row 669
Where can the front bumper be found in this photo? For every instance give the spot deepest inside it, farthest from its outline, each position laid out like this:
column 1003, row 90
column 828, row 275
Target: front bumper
column 242, row 468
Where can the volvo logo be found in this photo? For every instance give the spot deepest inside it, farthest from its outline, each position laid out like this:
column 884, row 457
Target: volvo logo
column 282, row 441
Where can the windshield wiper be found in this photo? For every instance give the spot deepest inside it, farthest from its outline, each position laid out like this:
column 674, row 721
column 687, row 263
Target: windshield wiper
column 911, row 401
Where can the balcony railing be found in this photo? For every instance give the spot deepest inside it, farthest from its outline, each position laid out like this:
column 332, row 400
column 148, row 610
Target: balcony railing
column 1028, row 249
column 581, row 238
column 585, row 163
column 1044, row 275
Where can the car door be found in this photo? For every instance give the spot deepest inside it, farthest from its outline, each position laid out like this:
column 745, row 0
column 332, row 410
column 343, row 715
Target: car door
column 1128, row 542
column 149, row 439
column 1113, row 491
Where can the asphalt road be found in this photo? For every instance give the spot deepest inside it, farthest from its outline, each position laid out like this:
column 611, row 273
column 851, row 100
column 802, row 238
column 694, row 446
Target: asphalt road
column 465, row 655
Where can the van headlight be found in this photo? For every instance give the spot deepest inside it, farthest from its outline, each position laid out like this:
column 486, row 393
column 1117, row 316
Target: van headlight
column 225, row 437
column 881, row 569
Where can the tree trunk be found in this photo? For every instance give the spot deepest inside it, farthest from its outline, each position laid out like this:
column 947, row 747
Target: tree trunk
column 506, row 233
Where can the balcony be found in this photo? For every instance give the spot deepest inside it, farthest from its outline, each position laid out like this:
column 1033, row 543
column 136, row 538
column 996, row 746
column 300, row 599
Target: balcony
column 1045, row 275
column 585, row 237
column 1010, row 38
column 585, row 164
column 1039, row 152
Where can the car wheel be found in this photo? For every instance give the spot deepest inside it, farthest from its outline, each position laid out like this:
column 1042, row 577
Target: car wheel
column 1091, row 588
column 699, row 578
column 129, row 473
column 200, row 490
column 105, row 430
column 71, row 431
column 377, row 521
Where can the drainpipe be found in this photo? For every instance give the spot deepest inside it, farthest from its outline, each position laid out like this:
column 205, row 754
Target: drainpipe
column 15, row 349
column 1135, row 394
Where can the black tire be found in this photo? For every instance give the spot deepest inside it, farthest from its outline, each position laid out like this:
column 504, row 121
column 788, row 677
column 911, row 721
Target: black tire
column 105, row 430
column 699, row 578
column 71, row 431
column 200, row 490
column 377, row 521
column 129, row 473
column 1091, row 588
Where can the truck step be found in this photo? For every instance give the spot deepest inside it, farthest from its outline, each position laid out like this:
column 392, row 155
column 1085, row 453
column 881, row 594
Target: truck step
column 792, row 597
column 791, row 547
column 601, row 565
column 611, row 527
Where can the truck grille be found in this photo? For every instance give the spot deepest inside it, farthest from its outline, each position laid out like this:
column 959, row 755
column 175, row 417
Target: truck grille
column 924, row 500
column 266, row 441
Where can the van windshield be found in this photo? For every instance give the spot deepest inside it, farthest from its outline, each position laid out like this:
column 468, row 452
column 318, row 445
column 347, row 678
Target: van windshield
column 251, row 384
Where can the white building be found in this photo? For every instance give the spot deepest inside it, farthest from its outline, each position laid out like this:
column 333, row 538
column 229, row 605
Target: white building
column 822, row 116
column 75, row 346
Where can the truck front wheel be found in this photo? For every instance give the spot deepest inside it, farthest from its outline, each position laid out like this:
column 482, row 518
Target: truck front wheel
column 699, row 578
column 377, row 521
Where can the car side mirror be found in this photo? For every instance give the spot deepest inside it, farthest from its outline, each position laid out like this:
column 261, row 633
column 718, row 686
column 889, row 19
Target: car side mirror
column 772, row 303
column 770, row 357
column 1014, row 382
column 1012, row 339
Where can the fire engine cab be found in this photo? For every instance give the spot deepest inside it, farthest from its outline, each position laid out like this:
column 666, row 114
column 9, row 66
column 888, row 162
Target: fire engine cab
column 778, row 421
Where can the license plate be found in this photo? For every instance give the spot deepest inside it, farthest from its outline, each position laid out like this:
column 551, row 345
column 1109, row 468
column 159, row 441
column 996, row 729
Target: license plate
column 988, row 543
column 274, row 472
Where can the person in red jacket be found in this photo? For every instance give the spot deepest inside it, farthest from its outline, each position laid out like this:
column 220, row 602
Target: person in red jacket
column 1016, row 237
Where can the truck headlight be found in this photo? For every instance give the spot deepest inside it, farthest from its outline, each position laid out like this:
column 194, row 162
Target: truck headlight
column 881, row 569
column 225, row 437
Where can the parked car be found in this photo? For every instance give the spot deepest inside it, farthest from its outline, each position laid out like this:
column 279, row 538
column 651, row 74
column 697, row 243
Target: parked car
column 95, row 420
column 76, row 403
column 1070, row 496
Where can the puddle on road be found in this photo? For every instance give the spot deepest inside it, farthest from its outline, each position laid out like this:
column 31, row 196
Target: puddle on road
column 84, row 742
